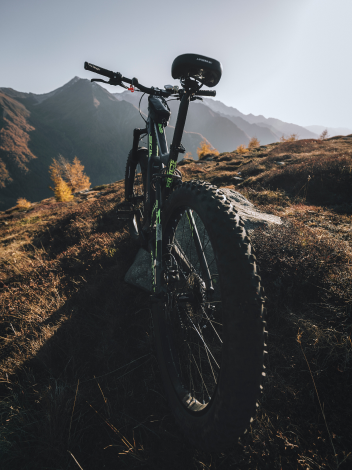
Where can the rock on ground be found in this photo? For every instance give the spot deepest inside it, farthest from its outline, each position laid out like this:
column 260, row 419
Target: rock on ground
column 251, row 216
column 140, row 273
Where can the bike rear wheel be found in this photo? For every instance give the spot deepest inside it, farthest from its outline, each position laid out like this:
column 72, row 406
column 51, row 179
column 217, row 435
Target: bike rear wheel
column 210, row 332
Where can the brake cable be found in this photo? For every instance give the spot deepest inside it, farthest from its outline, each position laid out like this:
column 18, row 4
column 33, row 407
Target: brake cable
column 139, row 108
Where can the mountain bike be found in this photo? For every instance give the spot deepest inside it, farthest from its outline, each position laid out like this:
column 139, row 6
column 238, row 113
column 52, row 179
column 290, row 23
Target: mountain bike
column 207, row 300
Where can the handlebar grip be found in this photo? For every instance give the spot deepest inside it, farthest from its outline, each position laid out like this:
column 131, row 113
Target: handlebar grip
column 99, row 70
column 206, row 93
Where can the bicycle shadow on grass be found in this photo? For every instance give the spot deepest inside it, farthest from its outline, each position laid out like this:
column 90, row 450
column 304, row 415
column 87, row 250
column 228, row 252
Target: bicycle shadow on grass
column 92, row 392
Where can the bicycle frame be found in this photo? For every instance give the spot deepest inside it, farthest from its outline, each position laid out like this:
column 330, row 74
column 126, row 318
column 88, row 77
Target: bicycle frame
column 158, row 155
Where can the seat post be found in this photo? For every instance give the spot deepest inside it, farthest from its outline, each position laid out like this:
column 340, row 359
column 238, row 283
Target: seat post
column 180, row 124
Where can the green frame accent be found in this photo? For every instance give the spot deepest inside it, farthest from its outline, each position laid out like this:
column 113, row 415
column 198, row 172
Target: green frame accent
column 171, row 171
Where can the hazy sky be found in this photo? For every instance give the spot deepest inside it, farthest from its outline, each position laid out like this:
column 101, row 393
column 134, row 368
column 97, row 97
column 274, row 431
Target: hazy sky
column 289, row 59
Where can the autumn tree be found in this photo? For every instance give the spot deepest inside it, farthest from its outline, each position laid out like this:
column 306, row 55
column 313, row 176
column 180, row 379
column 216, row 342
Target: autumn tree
column 290, row 138
column 205, row 149
column 62, row 191
column 188, row 155
column 67, row 177
column 324, row 135
column 241, row 149
column 23, row 204
column 253, row 143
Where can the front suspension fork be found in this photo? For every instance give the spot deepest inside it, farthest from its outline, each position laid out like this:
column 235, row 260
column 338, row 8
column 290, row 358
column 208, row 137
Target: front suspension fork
column 157, row 256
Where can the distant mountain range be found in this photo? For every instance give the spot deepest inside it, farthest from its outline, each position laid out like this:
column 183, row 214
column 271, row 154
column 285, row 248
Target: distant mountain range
column 332, row 131
column 83, row 119
column 220, row 131
column 80, row 118
column 259, row 126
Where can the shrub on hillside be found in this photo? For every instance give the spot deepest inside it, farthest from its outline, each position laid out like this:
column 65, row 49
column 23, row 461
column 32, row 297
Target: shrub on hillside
column 324, row 135
column 188, row 155
column 253, row 143
column 23, row 204
column 290, row 138
column 205, row 149
column 241, row 149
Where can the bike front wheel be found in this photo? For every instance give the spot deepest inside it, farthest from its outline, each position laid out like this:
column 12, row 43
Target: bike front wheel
column 135, row 186
column 209, row 327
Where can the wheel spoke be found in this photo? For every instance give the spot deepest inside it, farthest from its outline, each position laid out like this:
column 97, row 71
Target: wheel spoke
column 203, row 383
column 199, row 349
column 201, row 337
column 212, row 326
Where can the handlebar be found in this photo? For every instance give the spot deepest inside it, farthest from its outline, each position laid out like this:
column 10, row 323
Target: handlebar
column 116, row 78
column 99, row 70
column 206, row 93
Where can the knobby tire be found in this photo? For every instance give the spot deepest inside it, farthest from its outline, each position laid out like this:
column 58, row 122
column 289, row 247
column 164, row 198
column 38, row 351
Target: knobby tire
column 210, row 349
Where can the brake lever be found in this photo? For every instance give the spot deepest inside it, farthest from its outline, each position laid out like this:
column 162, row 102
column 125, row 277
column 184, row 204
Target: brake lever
column 98, row 80
column 110, row 82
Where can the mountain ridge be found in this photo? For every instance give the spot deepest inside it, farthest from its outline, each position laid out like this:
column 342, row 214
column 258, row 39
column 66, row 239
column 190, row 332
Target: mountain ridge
column 218, row 130
column 83, row 119
column 283, row 128
column 79, row 119
column 332, row 131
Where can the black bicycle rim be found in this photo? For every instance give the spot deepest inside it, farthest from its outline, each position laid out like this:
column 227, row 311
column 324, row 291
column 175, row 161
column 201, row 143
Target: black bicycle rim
column 193, row 315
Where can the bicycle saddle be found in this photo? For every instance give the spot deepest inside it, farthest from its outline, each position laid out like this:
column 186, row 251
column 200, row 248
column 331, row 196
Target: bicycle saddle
column 207, row 71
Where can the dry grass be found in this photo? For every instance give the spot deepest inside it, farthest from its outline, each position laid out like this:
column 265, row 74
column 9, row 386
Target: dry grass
column 313, row 171
column 79, row 380
column 266, row 197
column 308, row 273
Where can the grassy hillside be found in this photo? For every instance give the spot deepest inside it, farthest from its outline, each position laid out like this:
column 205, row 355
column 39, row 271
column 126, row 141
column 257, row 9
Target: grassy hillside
column 313, row 171
column 79, row 377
